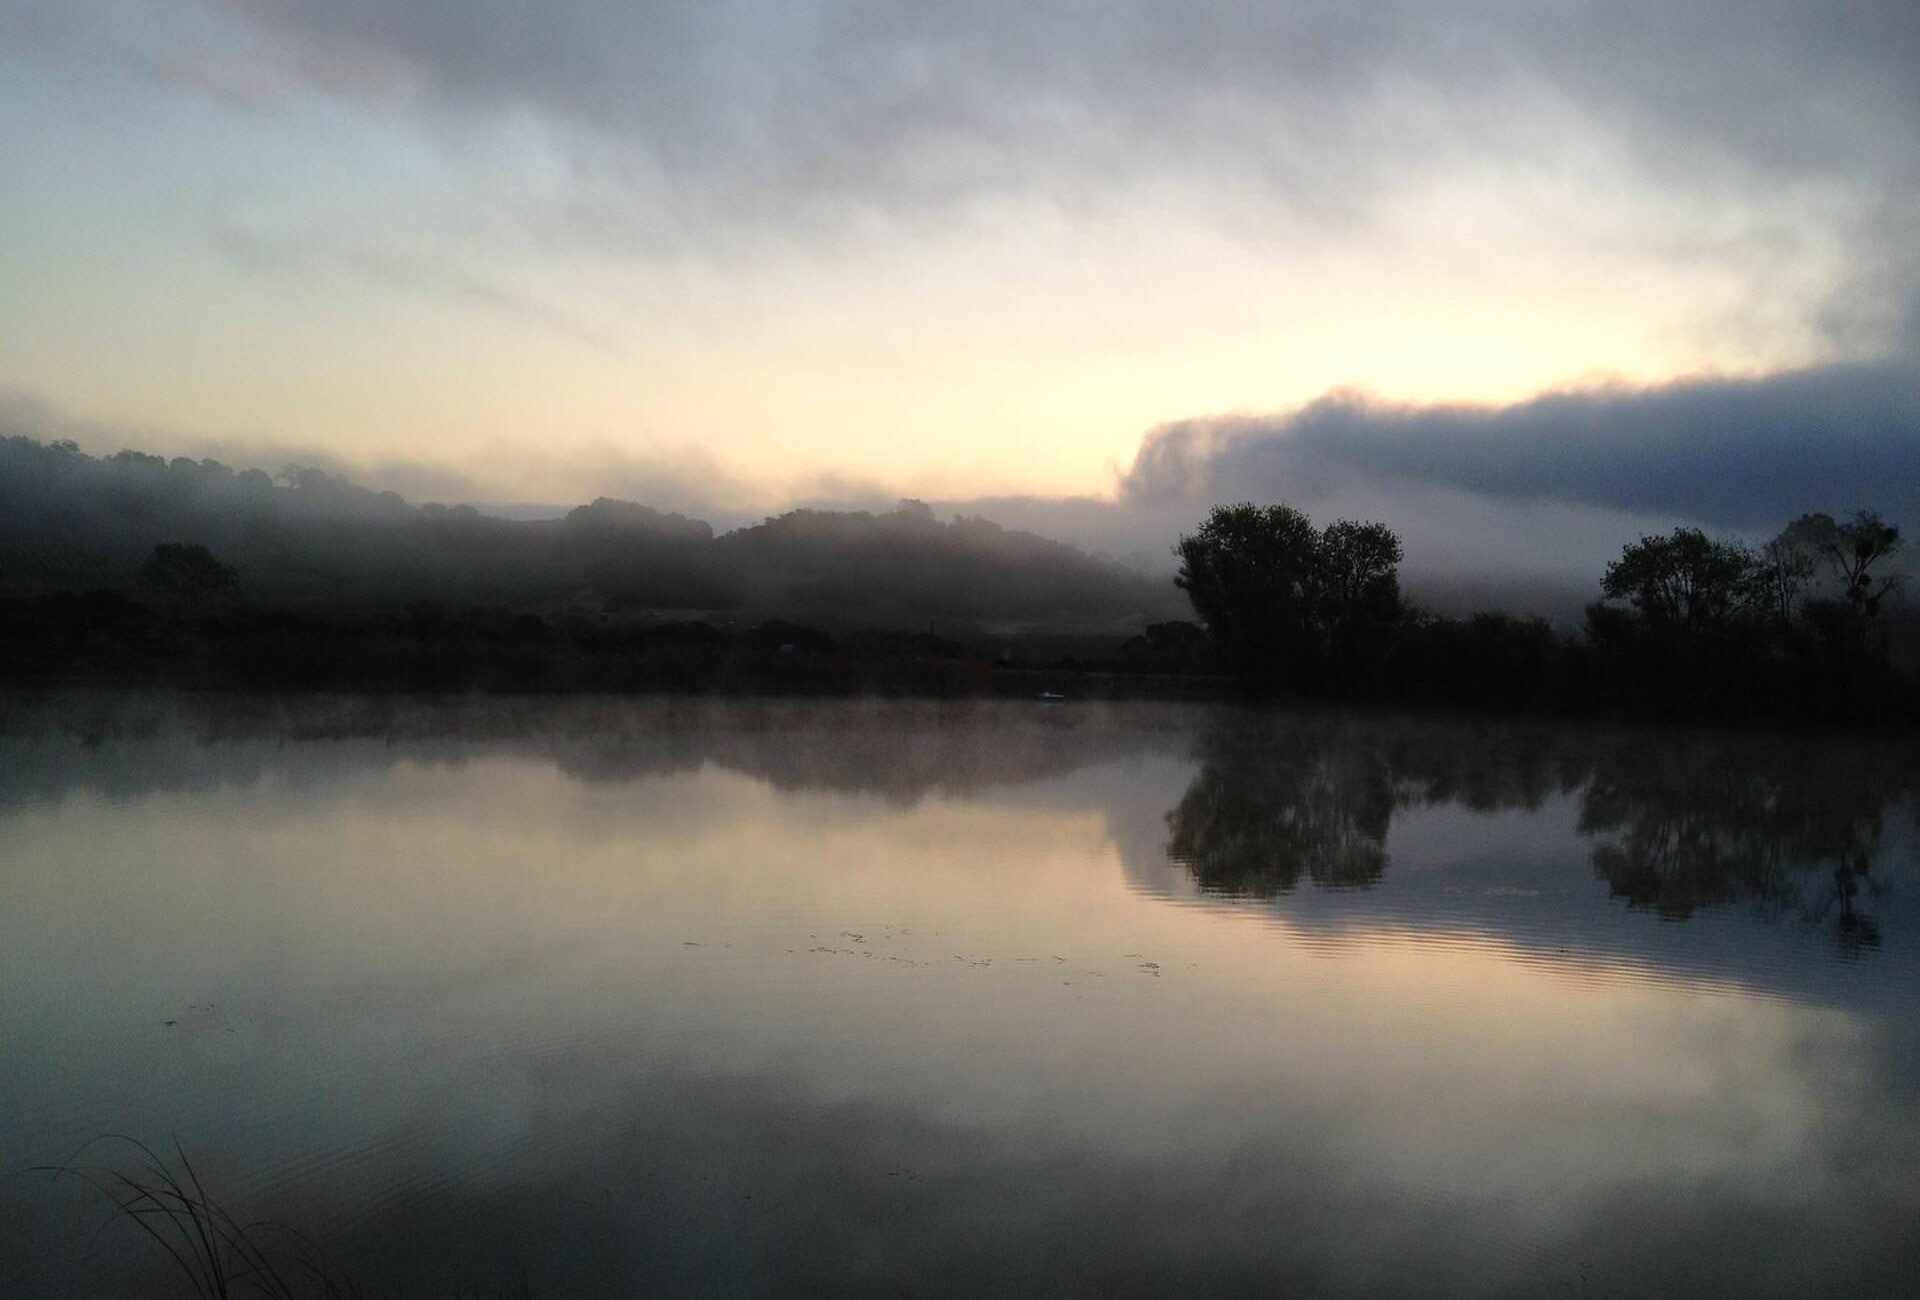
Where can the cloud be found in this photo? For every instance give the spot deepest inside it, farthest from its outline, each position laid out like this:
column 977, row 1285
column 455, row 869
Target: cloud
column 423, row 271
column 1737, row 453
column 791, row 111
column 1516, row 507
column 1712, row 181
column 826, row 81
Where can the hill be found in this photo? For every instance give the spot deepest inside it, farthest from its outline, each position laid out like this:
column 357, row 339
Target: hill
column 306, row 539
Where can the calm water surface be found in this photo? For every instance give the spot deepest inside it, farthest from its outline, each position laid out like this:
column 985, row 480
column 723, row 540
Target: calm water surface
column 619, row 999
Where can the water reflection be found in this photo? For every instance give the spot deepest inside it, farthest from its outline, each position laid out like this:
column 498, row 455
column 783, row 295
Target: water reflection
column 1790, row 828
column 1676, row 824
column 1271, row 804
column 882, row 999
column 132, row 746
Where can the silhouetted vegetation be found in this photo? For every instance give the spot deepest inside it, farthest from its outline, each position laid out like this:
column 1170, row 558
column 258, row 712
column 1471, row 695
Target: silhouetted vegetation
column 1291, row 607
column 135, row 569
column 1697, row 627
column 1688, row 626
column 107, row 636
column 203, row 1245
column 212, row 1252
column 188, row 575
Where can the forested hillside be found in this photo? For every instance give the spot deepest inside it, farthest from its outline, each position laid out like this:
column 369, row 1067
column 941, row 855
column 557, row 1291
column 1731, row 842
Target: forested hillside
column 305, row 538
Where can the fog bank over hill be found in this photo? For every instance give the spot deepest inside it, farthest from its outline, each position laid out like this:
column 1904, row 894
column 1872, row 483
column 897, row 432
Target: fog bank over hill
column 1516, row 507
column 308, row 538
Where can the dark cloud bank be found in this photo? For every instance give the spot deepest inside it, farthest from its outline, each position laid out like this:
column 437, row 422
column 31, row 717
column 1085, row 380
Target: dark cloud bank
column 1741, row 454
column 1521, row 506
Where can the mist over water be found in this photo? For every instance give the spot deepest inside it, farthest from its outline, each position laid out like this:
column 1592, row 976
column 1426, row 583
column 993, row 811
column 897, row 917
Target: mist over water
column 612, row 997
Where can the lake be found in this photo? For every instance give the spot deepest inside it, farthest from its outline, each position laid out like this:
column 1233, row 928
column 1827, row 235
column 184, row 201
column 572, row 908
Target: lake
column 608, row 998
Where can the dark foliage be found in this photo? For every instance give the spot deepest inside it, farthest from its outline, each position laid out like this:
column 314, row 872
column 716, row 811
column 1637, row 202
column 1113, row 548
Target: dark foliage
column 188, row 575
column 1290, row 606
column 134, row 569
column 1689, row 627
column 106, row 636
column 1173, row 646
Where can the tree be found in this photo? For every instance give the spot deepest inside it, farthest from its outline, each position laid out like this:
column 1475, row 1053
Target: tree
column 1286, row 602
column 1850, row 551
column 1682, row 580
column 1853, row 548
column 1253, row 574
column 188, row 575
column 1359, row 593
column 1783, row 568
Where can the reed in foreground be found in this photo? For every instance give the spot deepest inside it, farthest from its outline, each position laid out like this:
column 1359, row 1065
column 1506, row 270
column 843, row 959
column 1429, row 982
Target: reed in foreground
column 216, row 1254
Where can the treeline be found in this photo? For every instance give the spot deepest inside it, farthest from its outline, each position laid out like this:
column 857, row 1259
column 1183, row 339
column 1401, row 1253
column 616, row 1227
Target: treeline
column 1687, row 626
column 135, row 569
column 307, row 540
column 189, row 630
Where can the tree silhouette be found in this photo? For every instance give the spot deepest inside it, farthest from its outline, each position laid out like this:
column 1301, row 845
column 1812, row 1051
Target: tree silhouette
column 1684, row 579
column 1282, row 600
column 1359, row 596
column 1252, row 573
column 1785, row 566
column 1854, row 548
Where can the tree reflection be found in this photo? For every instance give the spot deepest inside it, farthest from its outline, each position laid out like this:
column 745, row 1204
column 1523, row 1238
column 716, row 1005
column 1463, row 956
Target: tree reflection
column 1677, row 824
column 1789, row 827
column 1274, row 803
column 1279, row 797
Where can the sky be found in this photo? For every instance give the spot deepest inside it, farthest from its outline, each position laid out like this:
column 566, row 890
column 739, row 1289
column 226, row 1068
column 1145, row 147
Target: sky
column 1473, row 265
